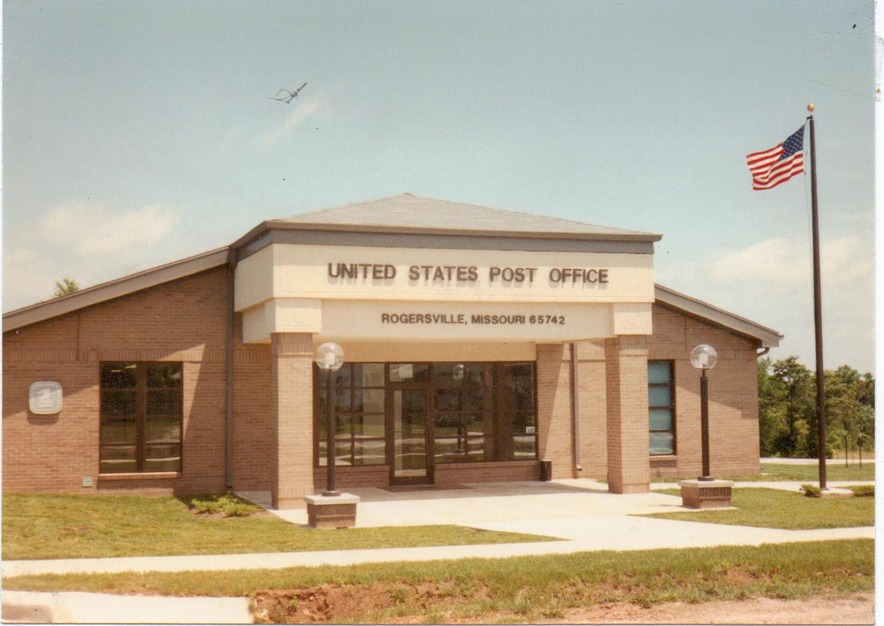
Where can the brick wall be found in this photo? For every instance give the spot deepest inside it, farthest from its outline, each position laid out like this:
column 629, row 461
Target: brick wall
column 592, row 402
column 291, row 456
column 184, row 321
column 733, row 397
column 554, row 439
column 627, row 413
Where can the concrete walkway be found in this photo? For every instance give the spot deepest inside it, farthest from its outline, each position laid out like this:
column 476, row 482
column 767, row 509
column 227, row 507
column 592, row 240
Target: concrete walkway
column 581, row 513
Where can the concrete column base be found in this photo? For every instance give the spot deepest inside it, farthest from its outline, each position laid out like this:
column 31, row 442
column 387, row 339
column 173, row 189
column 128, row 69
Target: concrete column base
column 706, row 494
column 331, row 511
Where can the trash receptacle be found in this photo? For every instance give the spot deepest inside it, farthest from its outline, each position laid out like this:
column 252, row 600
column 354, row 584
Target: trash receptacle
column 545, row 470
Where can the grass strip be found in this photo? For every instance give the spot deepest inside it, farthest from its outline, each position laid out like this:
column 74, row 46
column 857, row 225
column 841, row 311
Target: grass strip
column 775, row 508
column 41, row 526
column 517, row 589
column 781, row 472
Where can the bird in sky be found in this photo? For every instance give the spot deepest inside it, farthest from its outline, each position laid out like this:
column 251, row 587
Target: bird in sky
column 290, row 95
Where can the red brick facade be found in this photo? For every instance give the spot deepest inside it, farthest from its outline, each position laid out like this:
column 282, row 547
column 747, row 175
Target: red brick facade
column 180, row 321
column 185, row 320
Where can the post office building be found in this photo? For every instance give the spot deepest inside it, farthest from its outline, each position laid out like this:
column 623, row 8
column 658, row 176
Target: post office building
column 478, row 345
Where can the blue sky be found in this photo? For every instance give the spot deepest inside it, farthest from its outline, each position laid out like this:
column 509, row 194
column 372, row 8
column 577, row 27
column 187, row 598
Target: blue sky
column 137, row 133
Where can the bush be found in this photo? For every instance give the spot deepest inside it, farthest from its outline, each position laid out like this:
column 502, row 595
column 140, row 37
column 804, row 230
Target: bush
column 863, row 490
column 812, row 491
column 227, row 505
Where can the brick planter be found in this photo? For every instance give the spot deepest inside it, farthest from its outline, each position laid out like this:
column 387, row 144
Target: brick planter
column 706, row 494
column 331, row 511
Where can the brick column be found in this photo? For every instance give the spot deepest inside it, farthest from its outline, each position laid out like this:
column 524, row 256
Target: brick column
column 291, row 456
column 627, row 406
column 554, row 433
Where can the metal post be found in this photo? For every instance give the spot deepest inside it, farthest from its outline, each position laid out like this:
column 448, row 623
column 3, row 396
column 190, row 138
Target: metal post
column 331, row 455
column 704, row 425
column 817, row 309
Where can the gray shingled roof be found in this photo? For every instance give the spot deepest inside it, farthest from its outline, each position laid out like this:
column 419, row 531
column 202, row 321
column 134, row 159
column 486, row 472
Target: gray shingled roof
column 410, row 212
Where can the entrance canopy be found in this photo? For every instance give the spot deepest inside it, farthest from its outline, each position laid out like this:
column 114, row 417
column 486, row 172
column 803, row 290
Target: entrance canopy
column 388, row 270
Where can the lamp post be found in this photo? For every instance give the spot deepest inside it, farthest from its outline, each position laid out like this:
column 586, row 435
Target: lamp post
column 330, row 358
column 704, row 357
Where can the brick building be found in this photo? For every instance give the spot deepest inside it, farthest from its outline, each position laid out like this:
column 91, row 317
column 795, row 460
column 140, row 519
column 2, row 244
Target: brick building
column 478, row 343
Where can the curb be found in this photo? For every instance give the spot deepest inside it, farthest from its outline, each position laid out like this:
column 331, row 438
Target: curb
column 75, row 607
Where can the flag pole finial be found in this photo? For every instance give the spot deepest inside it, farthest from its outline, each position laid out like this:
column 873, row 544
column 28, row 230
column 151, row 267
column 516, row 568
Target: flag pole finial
column 810, row 107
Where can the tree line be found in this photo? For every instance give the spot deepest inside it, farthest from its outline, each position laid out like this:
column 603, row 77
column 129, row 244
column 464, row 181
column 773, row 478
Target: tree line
column 787, row 409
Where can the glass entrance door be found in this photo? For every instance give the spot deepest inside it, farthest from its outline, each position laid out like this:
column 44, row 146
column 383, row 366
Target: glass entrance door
column 411, row 461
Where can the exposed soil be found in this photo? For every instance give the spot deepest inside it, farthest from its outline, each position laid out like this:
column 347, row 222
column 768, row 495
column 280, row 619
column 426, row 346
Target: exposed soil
column 856, row 608
column 336, row 603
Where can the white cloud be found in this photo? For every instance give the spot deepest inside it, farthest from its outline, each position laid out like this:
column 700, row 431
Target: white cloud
column 771, row 282
column 89, row 242
column 97, row 229
column 788, row 262
column 777, row 259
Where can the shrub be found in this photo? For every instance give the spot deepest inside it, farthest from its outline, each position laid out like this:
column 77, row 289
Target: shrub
column 863, row 490
column 227, row 505
column 812, row 491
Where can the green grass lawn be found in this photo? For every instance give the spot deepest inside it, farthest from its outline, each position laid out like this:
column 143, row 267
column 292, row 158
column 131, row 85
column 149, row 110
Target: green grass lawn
column 43, row 526
column 810, row 473
column 775, row 508
column 802, row 473
column 517, row 589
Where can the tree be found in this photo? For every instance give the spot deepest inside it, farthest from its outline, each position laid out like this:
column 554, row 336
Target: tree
column 787, row 408
column 771, row 416
column 850, row 407
column 65, row 287
column 796, row 389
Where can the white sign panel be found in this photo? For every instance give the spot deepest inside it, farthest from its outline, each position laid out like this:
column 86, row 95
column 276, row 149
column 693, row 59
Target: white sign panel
column 45, row 397
column 453, row 321
column 419, row 274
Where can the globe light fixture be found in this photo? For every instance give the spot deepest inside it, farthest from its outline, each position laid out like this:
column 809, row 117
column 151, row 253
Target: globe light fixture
column 704, row 357
column 329, row 358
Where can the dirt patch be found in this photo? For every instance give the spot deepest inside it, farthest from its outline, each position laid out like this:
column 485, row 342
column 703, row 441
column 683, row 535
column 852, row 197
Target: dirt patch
column 392, row 603
column 853, row 609
column 397, row 602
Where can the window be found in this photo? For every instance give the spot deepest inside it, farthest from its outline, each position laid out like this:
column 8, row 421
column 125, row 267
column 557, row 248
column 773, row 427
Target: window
column 458, row 412
column 360, row 415
column 661, row 407
column 141, row 414
column 516, row 412
column 459, row 432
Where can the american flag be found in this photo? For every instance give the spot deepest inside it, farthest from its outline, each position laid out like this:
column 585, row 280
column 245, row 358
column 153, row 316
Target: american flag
column 776, row 165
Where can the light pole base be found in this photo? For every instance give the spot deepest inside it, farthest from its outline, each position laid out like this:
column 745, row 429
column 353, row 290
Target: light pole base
column 706, row 494
column 331, row 511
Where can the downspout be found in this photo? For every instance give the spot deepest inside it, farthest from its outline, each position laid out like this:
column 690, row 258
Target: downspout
column 228, row 358
column 575, row 406
column 764, row 351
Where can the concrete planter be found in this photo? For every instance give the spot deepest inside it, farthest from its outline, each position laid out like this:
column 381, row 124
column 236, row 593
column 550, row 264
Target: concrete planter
column 331, row 511
column 706, row 494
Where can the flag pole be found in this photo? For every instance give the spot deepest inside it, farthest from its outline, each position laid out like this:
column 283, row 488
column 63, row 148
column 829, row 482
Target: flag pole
column 817, row 307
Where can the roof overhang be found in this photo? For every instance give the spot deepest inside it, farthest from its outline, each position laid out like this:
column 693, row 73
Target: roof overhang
column 120, row 287
column 288, row 232
column 767, row 337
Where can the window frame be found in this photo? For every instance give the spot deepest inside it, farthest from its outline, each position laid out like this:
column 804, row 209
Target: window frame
column 351, row 439
column 491, row 442
column 142, row 413
column 670, row 407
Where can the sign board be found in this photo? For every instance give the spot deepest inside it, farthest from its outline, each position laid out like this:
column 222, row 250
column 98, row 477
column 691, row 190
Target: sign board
column 45, row 397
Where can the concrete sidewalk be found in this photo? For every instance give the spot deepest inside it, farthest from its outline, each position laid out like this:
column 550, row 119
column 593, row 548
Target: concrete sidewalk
column 580, row 513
